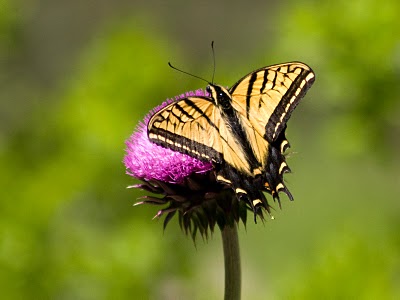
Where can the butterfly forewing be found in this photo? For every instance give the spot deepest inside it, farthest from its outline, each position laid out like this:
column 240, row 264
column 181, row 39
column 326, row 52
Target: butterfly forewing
column 268, row 96
column 194, row 126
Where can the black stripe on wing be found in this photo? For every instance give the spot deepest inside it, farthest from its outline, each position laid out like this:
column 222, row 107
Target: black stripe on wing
column 184, row 145
column 288, row 103
column 253, row 78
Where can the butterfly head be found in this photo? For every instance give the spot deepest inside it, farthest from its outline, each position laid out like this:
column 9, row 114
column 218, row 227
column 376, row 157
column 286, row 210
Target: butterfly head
column 220, row 95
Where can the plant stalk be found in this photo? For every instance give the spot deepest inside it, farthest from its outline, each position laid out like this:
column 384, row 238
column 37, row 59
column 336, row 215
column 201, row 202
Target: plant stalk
column 230, row 242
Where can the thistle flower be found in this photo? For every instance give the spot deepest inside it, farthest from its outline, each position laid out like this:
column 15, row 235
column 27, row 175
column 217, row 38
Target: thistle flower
column 188, row 186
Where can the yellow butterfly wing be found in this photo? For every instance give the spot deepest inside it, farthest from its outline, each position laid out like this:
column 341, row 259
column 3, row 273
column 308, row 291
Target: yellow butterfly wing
column 264, row 100
column 268, row 96
column 194, row 126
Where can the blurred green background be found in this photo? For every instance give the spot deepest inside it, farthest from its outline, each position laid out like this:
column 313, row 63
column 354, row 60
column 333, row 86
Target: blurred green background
column 77, row 76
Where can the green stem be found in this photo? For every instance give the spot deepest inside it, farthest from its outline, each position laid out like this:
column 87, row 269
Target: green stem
column 230, row 242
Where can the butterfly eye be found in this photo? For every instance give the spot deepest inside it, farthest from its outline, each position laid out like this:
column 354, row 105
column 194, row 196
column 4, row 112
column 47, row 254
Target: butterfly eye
column 208, row 89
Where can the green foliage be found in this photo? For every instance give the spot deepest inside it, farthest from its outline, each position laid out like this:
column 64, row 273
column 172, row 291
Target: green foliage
column 352, row 265
column 9, row 25
column 354, row 49
column 67, row 221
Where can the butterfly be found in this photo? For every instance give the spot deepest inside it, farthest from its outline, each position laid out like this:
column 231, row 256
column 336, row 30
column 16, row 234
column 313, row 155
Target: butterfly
column 241, row 130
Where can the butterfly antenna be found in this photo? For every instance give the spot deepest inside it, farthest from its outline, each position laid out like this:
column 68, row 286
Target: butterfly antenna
column 213, row 53
column 186, row 72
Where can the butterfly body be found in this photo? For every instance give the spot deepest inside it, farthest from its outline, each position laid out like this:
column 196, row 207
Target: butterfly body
column 241, row 130
column 235, row 130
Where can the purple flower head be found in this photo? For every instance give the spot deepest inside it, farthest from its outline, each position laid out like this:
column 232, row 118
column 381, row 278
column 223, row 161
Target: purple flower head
column 148, row 161
column 187, row 186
